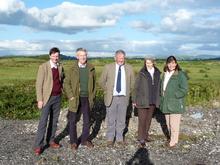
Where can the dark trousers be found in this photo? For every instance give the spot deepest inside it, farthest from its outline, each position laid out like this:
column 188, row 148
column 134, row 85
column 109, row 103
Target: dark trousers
column 52, row 110
column 84, row 108
column 144, row 121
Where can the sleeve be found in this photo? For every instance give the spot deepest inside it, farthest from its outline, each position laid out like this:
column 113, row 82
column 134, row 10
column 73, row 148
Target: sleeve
column 39, row 83
column 183, row 86
column 94, row 83
column 67, row 85
column 136, row 87
column 103, row 78
column 132, row 85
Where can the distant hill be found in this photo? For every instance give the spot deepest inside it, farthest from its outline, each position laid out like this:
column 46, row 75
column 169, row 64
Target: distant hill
column 158, row 57
column 62, row 57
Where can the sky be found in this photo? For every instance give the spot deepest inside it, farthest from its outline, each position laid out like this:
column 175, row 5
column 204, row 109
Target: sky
column 140, row 27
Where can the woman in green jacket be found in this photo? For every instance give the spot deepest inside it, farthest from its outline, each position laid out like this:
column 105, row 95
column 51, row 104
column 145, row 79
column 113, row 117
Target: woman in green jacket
column 174, row 88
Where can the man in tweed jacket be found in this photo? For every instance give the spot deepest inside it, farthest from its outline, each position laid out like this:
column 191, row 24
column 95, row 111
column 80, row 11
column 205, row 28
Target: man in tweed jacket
column 48, row 89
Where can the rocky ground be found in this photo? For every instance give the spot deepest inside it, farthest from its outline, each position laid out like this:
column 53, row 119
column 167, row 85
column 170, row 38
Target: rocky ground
column 199, row 143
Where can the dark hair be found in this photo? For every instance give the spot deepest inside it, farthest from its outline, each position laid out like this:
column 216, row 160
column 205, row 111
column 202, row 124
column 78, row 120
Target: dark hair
column 54, row 50
column 169, row 60
column 120, row 51
column 81, row 49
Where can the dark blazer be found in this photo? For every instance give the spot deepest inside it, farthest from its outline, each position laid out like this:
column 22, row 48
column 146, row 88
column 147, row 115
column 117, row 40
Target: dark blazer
column 142, row 98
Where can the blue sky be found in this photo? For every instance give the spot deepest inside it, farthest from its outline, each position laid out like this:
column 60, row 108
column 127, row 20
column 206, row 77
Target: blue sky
column 140, row 27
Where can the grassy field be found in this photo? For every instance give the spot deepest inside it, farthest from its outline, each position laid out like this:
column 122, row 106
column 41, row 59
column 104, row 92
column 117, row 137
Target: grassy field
column 18, row 76
column 25, row 68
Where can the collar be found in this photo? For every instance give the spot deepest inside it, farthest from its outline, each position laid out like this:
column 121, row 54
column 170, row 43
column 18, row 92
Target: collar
column 52, row 65
column 169, row 73
column 117, row 65
column 151, row 70
column 81, row 65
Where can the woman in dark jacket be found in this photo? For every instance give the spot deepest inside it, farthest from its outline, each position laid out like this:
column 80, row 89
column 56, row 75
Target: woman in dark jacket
column 174, row 88
column 147, row 88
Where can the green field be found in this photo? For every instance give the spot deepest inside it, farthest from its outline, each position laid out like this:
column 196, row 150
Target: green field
column 18, row 75
column 25, row 68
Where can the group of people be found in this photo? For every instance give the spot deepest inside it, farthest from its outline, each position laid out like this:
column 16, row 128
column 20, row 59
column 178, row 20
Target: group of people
column 148, row 91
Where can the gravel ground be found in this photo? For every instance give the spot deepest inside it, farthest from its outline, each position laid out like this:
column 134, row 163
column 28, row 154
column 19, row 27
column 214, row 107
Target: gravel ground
column 199, row 143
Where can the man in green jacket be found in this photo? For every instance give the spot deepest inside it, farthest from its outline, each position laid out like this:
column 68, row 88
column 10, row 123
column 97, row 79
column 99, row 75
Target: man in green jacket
column 79, row 86
column 117, row 81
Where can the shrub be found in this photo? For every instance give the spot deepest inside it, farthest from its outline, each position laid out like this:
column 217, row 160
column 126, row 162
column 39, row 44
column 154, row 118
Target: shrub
column 202, row 71
column 18, row 101
column 202, row 93
column 206, row 76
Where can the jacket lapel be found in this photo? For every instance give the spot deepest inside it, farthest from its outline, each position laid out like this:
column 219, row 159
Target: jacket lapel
column 49, row 71
column 113, row 72
column 60, row 71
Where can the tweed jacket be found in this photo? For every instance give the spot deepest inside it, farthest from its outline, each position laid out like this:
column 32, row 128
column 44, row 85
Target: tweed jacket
column 72, row 86
column 107, row 81
column 172, row 99
column 44, row 82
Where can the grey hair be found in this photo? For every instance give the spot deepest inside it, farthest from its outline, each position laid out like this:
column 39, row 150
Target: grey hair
column 120, row 51
column 81, row 49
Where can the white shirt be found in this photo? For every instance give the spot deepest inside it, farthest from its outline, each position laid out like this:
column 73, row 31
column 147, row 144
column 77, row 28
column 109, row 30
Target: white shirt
column 123, row 81
column 167, row 78
column 52, row 65
column 81, row 65
column 151, row 71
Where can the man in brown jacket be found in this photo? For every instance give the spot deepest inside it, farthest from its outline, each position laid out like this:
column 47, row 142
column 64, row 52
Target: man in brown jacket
column 79, row 86
column 117, row 81
column 48, row 88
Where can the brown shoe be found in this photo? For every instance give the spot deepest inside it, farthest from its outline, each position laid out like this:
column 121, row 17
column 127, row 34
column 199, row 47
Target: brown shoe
column 73, row 146
column 37, row 151
column 54, row 145
column 87, row 144
column 110, row 143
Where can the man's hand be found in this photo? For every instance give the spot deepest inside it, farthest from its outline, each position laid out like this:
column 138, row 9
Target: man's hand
column 40, row 104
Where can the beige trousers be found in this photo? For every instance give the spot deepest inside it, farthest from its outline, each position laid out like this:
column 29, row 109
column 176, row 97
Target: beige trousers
column 173, row 125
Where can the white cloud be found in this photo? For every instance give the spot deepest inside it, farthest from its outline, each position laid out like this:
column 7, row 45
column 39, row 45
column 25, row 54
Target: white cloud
column 11, row 6
column 20, row 46
column 107, row 47
column 189, row 47
column 178, row 21
column 67, row 17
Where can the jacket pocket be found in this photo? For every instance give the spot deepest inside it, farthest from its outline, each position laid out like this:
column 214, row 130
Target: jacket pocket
column 175, row 105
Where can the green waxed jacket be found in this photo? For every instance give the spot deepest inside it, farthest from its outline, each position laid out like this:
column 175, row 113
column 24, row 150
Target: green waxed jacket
column 172, row 99
column 72, row 86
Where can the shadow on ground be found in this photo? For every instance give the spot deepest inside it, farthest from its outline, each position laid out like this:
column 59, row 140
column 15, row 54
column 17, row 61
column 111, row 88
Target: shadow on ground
column 141, row 157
